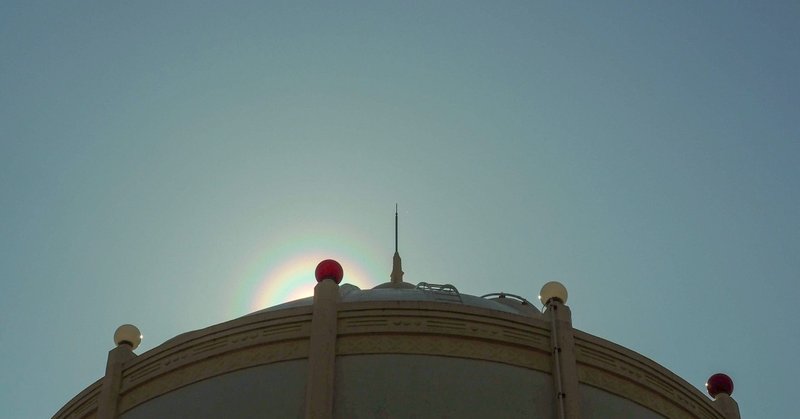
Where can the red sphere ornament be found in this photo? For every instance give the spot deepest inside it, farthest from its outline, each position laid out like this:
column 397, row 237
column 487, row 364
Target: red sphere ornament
column 329, row 269
column 719, row 383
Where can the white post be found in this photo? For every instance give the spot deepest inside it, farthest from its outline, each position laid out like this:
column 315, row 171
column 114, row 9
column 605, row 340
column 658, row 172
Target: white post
column 565, row 371
column 727, row 405
column 112, row 381
column 322, row 351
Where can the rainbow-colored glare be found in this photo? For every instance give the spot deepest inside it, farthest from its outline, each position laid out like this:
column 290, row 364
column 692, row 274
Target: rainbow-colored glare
column 285, row 271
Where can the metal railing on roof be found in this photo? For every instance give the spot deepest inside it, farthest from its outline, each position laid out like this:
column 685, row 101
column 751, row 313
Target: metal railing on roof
column 442, row 292
column 505, row 295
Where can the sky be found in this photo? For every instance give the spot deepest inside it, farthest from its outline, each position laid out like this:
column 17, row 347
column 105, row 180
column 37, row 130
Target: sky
column 179, row 164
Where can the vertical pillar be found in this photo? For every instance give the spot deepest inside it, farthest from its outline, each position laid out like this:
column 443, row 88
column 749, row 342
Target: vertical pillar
column 727, row 405
column 112, row 381
column 565, row 370
column 322, row 351
column 720, row 387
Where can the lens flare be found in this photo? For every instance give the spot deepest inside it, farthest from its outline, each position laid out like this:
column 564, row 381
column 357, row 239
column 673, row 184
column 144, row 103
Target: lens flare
column 294, row 279
column 284, row 271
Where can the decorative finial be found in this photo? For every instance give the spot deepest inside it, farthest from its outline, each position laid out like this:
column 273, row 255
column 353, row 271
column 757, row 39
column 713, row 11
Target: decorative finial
column 553, row 290
column 329, row 269
column 719, row 383
column 397, row 263
column 128, row 334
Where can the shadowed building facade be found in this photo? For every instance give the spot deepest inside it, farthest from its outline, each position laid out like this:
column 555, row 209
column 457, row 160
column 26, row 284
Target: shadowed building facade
column 395, row 351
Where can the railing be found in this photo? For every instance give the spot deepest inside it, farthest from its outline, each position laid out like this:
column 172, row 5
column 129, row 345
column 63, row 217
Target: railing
column 442, row 292
column 505, row 295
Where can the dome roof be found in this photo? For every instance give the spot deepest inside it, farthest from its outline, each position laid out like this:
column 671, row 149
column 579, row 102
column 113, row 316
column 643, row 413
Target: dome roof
column 421, row 292
column 396, row 350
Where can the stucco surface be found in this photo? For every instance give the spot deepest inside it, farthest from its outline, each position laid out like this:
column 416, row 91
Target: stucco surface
column 419, row 386
column 599, row 404
column 276, row 390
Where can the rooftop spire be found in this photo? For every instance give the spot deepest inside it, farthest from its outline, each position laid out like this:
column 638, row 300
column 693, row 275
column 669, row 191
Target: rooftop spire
column 397, row 263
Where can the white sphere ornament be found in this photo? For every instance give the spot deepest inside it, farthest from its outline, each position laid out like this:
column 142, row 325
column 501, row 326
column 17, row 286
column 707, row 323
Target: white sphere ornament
column 129, row 334
column 553, row 290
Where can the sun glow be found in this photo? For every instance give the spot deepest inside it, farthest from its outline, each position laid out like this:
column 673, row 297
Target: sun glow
column 294, row 279
column 285, row 271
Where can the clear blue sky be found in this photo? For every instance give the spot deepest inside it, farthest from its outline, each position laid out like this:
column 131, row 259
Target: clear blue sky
column 161, row 164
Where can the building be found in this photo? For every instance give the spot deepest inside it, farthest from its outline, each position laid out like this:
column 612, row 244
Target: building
column 395, row 351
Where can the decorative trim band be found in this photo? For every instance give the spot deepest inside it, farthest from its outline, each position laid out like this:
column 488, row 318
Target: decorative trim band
column 211, row 367
column 612, row 368
column 82, row 406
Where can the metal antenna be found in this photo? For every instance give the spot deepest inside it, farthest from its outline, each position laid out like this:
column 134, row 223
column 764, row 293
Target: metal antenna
column 397, row 263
